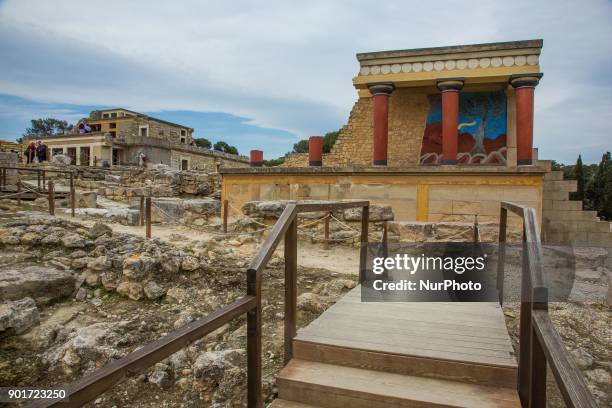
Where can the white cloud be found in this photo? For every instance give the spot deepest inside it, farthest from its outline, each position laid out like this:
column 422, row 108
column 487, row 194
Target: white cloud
column 289, row 64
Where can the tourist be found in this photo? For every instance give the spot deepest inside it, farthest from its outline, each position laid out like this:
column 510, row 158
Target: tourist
column 142, row 158
column 31, row 152
column 41, row 152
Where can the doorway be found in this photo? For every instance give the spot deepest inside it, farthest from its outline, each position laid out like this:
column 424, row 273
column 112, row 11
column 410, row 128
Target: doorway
column 115, row 157
column 184, row 164
column 72, row 153
column 84, row 159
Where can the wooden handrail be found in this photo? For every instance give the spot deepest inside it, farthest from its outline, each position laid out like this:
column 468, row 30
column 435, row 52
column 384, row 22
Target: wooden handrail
column 89, row 387
column 539, row 341
column 570, row 381
column 278, row 231
column 285, row 227
column 36, row 170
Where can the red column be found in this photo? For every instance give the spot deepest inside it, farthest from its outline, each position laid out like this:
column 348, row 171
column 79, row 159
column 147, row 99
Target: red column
column 315, row 151
column 380, row 93
column 524, row 85
column 256, row 159
column 450, row 88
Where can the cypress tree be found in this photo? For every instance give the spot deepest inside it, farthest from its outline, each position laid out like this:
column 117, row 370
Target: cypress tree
column 599, row 191
column 579, row 173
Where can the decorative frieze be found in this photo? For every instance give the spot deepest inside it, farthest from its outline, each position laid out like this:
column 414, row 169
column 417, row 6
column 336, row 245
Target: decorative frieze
column 451, row 64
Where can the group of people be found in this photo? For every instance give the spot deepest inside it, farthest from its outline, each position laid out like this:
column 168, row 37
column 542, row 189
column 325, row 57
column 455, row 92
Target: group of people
column 36, row 152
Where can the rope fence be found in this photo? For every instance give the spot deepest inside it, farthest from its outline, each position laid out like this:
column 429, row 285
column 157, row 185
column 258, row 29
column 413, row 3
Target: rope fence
column 241, row 216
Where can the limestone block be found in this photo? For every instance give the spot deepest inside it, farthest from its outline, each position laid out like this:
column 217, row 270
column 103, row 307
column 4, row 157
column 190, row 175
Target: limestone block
column 43, row 284
column 466, row 207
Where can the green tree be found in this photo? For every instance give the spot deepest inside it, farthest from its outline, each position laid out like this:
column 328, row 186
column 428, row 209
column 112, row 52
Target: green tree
column 329, row 140
column 221, row 146
column 274, row 162
column 202, row 142
column 47, row 126
column 599, row 188
column 579, row 175
column 300, row 147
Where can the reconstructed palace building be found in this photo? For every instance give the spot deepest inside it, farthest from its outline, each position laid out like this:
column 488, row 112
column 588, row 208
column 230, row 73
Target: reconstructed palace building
column 440, row 134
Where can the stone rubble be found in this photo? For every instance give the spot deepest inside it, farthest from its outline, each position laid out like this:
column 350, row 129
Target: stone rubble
column 122, row 292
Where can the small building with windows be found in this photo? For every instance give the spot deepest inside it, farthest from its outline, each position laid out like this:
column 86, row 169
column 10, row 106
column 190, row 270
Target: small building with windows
column 119, row 136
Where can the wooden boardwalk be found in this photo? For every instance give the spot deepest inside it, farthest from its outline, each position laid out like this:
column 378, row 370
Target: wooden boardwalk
column 405, row 354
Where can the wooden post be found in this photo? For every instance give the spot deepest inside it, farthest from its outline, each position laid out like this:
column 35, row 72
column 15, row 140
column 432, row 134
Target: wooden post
column 148, row 216
column 525, row 325
column 326, row 244
column 38, row 179
column 476, row 237
column 19, row 192
column 365, row 218
column 44, row 179
column 537, row 389
column 254, row 398
column 141, row 212
column 72, row 195
column 385, row 233
column 225, row 208
column 51, row 198
column 501, row 259
column 3, row 177
column 290, row 288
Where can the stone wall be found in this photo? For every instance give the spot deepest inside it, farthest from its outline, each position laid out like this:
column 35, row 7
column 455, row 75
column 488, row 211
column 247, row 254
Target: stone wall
column 428, row 195
column 564, row 221
column 407, row 116
column 156, row 129
column 10, row 160
column 295, row 160
column 169, row 153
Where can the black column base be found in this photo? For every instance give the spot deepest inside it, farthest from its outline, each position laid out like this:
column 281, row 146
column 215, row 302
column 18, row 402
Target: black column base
column 380, row 162
column 449, row 161
column 315, row 163
column 524, row 162
column 256, row 164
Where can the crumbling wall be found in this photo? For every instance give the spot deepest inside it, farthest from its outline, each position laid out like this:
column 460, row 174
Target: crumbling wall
column 9, row 159
column 407, row 118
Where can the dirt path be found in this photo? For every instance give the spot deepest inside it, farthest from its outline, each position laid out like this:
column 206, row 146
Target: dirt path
column 339, row 259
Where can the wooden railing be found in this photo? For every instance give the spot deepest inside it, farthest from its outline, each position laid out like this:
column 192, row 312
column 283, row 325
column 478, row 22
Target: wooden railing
column 41, row 184
column 539, row 341
column 89, row 387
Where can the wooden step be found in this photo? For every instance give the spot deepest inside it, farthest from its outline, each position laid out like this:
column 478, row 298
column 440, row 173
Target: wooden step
column 334, row 386
column 494, row 375
column 281, row 403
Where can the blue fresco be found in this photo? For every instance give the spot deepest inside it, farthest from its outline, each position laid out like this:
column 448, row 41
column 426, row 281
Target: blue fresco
column 481, row 127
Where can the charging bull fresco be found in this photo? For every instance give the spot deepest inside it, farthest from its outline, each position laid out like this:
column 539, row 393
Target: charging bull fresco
column 481, row 128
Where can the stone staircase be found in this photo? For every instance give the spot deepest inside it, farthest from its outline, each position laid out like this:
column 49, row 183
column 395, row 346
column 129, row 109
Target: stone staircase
column 564, row 221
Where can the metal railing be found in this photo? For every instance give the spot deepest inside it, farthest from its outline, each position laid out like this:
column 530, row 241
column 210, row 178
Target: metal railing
column 539, row 341
column 89, row 387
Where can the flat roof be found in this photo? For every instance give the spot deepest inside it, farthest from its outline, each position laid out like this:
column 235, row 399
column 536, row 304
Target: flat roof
column 143, row 115
column 452, row 49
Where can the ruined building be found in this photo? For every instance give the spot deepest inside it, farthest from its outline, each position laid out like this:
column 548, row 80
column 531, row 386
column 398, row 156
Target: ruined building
column 118, row 136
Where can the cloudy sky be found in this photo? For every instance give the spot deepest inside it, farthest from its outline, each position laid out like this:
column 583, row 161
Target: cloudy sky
column 266, row 74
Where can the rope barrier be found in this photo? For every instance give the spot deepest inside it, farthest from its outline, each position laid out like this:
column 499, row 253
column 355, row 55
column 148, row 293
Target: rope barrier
column 178, row 221
column 370, row 234
column 246, row 216
column 26, row 189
